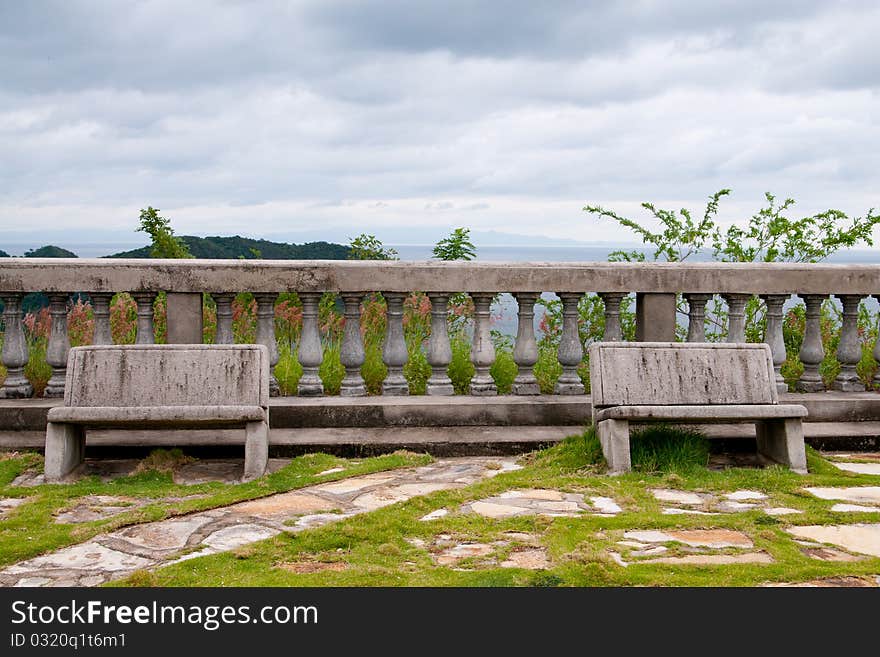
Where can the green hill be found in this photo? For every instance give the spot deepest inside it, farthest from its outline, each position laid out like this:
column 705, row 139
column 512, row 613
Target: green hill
column 3, row 254
column 49, row 251
column 236, row 247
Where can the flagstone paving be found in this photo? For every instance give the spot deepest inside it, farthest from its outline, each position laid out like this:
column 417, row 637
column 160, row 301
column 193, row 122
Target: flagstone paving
column 855, row 494
column 860, row 468
column 861, row 538
column 861, row 463
column 524, row 551
column 9, row 503
column 712, row 538
column 116, row 554
column 542, row 502
column 702, row 544
column 713, row 504
column 831, row 582
column 119, row 553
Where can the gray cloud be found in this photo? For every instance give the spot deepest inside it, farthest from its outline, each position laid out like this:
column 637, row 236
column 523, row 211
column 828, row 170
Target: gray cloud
column 281, row 115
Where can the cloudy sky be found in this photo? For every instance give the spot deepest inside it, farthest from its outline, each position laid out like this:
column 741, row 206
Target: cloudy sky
column 299, row 120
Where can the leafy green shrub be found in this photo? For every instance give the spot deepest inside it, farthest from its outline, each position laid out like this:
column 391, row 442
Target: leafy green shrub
column 504, row 369
column 373, row 370
column 288, row 370
column 37, row 370
column 547, row 370
column 331, row 369
column 461, row 370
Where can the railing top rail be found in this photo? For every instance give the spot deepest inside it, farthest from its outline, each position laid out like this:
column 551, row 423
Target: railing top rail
column 196, row 275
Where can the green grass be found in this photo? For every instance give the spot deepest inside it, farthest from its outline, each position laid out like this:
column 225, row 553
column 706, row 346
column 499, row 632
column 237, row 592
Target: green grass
column 30, row 529
column 658, row 449
column 374, row 550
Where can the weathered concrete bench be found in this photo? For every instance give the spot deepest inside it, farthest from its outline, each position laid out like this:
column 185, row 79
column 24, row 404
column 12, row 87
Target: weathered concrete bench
column 691, row 383
column 161, row 386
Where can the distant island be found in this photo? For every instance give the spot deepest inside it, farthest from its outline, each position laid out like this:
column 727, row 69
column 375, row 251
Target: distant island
column 49, row 251
column 222, row 248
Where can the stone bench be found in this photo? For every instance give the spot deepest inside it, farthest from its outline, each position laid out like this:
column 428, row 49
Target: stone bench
column 691, row 383
column 161, row 387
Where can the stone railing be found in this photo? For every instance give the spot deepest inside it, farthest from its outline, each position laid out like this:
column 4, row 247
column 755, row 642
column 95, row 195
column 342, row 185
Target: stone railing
column 655, row 285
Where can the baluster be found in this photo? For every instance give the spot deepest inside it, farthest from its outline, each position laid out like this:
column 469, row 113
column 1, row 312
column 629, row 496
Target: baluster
column 736, row 319
column 310, row 352
column 876, row 354
column 101, row 311
column 266, row 334
column 812, row 352
column 571, row 351
column 15, row 350
column 439, row 353
column 59, row 345
column 223, row 300
column 394, row 353
column 482, row 349
column 697, row 316
column 352, row 351
column 849, row 349
column 773, row 335
column 613, row 331
column 525, row 351
column 144, row 301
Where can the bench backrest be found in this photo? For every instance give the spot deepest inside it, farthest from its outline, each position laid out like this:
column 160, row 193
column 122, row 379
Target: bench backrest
column 168, row 375
column 674, row 373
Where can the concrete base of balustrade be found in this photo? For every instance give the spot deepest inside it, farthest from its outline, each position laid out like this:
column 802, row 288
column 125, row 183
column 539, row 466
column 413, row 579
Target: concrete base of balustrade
column 848, row 386
column 344, row 441
column 459, row 424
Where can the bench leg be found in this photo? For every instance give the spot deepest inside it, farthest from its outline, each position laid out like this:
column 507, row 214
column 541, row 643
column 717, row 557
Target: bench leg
column 783, row 441
column 614, row 436
column 256, row 450
column 65, row 449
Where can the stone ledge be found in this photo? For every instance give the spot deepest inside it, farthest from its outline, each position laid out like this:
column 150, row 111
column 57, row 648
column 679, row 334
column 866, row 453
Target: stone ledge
column 273, row 276
column 448, row 441
column 455, row 411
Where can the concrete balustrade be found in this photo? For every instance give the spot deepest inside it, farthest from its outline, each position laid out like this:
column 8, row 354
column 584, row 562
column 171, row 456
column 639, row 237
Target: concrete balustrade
column 58, row 346
column 351, row 354
column 849, row 351
column 394, row 353
column 525, row 351
column 657, row 286
column 223, row 301
column 774, row 336
column 482, row 351
column 736, row 318
column 311, row 353
column 101, row 312
column 145, row 331
column 15, row 350
column 439, row 352
column 812, row 352
column 613, row 330
column 697, row 316
column 571, row 351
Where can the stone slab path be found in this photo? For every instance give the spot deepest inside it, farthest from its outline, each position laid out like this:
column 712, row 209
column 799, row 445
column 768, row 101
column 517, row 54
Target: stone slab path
column 117, row 554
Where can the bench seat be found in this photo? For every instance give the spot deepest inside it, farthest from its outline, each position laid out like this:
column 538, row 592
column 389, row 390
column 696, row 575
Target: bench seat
column 707, row 414
column 158, row 416
column 170, row 386
column 682, row 383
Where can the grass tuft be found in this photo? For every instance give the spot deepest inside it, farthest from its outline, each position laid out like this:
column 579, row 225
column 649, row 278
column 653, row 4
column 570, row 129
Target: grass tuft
column 163, row 460
column 661, row 448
